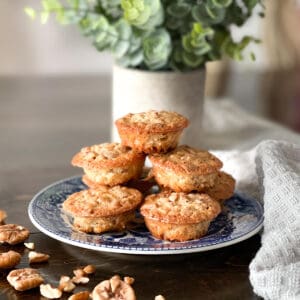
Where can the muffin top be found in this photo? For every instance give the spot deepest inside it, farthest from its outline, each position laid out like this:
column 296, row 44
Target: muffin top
column 187, row 160
column 180, row 208
column 102, row 202
column 152, row 122
column 105, row 155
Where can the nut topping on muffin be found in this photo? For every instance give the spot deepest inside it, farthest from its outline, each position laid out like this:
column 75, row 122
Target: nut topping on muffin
column 185, row 169
column 151, row 131
column 109, row 164
column 103, row 209
column 179, row 216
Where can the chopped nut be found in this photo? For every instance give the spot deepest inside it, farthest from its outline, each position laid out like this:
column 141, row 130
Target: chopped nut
column 66, row 284
column 24, row 279
column 129, row 280
column 79, row 272
column 89, row 269
column 114, row 288
column 13, row 234
column 37, row 257
column 159, row 297
column 80, row 279
column 3, row 216
column 50, row 292
column 84, row 295
column 29, row 246
column 9, row 259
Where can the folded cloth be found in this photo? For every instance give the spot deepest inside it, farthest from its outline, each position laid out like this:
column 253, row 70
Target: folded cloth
column 275, row 270
column 268, row 170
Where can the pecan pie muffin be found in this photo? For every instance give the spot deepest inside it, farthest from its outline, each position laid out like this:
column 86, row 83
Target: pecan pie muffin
column 109, row 164
column 179, row 216
column 185, row 169
column 103, row 209
column 223, row 188
column 152, row 131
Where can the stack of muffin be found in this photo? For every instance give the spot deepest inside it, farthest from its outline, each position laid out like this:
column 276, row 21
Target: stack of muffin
column 192, row 185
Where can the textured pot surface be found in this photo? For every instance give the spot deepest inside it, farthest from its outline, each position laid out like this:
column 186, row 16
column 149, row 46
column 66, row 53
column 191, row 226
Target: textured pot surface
column 137, row 91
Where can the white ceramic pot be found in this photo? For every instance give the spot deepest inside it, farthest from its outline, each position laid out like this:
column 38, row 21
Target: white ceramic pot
column 137, row 91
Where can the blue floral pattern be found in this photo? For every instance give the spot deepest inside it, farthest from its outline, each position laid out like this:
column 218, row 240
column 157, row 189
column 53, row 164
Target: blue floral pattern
column 241, row 218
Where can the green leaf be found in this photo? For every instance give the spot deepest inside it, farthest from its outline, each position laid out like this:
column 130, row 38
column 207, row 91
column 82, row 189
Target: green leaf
column 120, row 48
column 250, row 4
column 123, row 29
column 30, row 12
column 144, row 14
column 157, row 49
column 178, row 10
column 136, row 58
column 52, row 5
column 221, row 3
column 44, row 17
column 200, row 14
column 217, row 14
column 192, row 60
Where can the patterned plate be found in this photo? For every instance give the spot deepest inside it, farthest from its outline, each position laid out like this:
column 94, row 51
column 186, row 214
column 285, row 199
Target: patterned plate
column 241, row 218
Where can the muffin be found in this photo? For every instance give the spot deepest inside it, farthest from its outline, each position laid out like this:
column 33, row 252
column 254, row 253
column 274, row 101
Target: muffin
column 104, row 209
column 152, row 131
column 223, row 188
column 109, row 164
column 179, row 216
column 185, row 169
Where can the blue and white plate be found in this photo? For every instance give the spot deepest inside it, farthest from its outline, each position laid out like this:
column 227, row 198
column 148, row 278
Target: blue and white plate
column 242, row 217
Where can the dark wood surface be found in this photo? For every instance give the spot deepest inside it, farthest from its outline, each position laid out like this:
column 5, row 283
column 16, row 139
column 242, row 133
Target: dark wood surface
column 43, row 122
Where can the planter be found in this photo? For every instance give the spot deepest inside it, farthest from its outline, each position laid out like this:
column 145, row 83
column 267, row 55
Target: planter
column 137, row 91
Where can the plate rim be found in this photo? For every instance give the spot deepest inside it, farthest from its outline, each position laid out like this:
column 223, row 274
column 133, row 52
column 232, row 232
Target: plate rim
column 136, row 251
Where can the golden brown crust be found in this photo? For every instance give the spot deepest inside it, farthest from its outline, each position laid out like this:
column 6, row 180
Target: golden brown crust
column 103, row 202
column 103, row 224
column 113, row 176
column 13, row 234
column 107, row 156
column 185, row 169
column 151, row 143
column 180, row 208
column 24, row 279
column 152, row 131
column 177, row 232
column 152, row 122
column 223, row 188
column 180, row 182
column 187, row 160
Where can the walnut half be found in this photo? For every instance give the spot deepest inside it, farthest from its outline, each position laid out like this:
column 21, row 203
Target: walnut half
column 114, row 288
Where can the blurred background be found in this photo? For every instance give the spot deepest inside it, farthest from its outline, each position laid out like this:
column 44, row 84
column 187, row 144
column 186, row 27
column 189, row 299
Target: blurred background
column 49, row 58
column 28, row 48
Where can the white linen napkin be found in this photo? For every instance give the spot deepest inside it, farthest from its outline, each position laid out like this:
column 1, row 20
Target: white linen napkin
column 270, row 172
column 275, row 270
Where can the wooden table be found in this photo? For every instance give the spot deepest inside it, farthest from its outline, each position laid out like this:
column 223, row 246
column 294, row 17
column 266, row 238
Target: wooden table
column 43, row 122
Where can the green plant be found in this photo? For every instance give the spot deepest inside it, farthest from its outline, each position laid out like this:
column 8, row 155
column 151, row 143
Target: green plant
column 157, row 34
